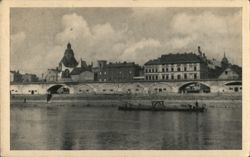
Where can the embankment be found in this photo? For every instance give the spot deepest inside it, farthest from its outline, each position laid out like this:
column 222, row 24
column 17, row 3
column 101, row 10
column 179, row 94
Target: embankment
column 211, row 99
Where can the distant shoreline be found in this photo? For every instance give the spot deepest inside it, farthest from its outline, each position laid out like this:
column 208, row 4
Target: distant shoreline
column 211, row 100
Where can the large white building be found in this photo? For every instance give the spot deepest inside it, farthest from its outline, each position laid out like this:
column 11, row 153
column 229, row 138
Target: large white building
column 176, row 67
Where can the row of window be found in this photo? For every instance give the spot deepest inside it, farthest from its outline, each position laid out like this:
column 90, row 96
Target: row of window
column 153, row 70
column 169, row 77
column 120, row 72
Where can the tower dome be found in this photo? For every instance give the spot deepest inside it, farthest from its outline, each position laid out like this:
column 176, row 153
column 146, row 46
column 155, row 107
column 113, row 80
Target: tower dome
column 68, row 59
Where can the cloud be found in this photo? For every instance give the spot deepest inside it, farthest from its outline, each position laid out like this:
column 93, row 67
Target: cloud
column 214, row 33
column 137, row 51
column 147, row 34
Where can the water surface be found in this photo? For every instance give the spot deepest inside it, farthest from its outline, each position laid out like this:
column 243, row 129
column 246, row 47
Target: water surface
column 106, row 128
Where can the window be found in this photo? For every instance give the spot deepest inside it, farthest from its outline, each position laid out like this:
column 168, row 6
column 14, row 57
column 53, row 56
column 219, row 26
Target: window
column 195, row 76
column 87, row 90
column 166, row 77
column 146, row 70
column 185, row 76
column 129, row 90
column 172, row 77
column 137, row 89
column 156, row 70
column 178, row 77
column 226, row 72
column 163, row 69
column 146, row 77
column 104, row 90
column 185, row 68
column 164, row 89
column 156, row 89
column 156, row 77
column 166, row 69
column 163, row 77
column 195, row 68
column 178, row 69
column 111, row 90
column 172, row 69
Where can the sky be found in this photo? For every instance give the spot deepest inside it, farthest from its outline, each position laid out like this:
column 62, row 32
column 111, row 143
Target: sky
column 39, row 35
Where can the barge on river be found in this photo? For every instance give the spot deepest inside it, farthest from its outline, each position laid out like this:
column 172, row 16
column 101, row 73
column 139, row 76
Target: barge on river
column 160, row 106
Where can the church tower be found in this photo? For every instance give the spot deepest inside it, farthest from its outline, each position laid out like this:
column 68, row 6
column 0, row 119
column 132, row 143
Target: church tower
column 68, row 62
column 224, row 61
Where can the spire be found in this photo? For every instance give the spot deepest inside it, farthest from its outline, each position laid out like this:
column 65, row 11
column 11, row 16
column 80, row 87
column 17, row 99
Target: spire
column 69, row 45
column 224, row 61
column 199, row 51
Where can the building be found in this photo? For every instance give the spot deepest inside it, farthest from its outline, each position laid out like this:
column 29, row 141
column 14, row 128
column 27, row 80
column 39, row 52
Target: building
column 71, row 70
column 67, row 63
column 81, row 75
column 51, row 75
column 15, row 76
column 116, row 72
column 188, row 66
column 225, row 70
column 231, row 72
column 29, row 78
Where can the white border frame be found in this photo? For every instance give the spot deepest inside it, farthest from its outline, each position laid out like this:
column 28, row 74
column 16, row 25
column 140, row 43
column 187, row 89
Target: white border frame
column 5, row 6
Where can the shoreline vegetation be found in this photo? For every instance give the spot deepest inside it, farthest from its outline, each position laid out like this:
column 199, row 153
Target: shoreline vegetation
column 217, row 100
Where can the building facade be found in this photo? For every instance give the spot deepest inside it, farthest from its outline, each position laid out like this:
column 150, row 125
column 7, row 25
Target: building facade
column 230, row 73
column 79, row 75
column 29, row 78
column 15, row 76
column 117, row 72
column 51, row 75
column 187, row 66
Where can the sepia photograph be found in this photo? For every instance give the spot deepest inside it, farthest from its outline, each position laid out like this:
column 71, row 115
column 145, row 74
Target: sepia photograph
column 126, row 78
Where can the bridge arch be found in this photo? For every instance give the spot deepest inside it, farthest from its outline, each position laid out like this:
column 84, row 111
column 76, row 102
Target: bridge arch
column 58, row 89
column 194, row 87
column 233, row 86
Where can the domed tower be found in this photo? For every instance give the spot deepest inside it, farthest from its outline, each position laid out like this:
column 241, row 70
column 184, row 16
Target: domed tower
column 68, row 62
column 69, row 59
column 224, row 61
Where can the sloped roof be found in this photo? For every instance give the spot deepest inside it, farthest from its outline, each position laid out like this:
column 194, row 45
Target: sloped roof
column 176, row 59
column 215, row 73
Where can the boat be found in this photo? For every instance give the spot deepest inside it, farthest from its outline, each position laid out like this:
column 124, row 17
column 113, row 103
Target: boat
column 160, row 106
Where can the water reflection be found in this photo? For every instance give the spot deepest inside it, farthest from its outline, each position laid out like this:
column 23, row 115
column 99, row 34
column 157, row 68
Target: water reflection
column 77, row 128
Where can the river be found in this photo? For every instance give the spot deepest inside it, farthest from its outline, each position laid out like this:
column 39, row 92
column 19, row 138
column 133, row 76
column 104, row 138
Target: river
column 106, row 128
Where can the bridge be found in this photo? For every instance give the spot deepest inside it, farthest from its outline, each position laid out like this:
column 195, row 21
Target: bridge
column 138, row 87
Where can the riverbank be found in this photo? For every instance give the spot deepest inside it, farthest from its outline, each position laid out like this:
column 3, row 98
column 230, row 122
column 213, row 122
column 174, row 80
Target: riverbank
column 211, row 100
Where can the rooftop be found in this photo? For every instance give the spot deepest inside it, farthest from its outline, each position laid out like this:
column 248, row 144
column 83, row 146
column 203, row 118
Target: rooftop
column 176, row 59
column 120, row 64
